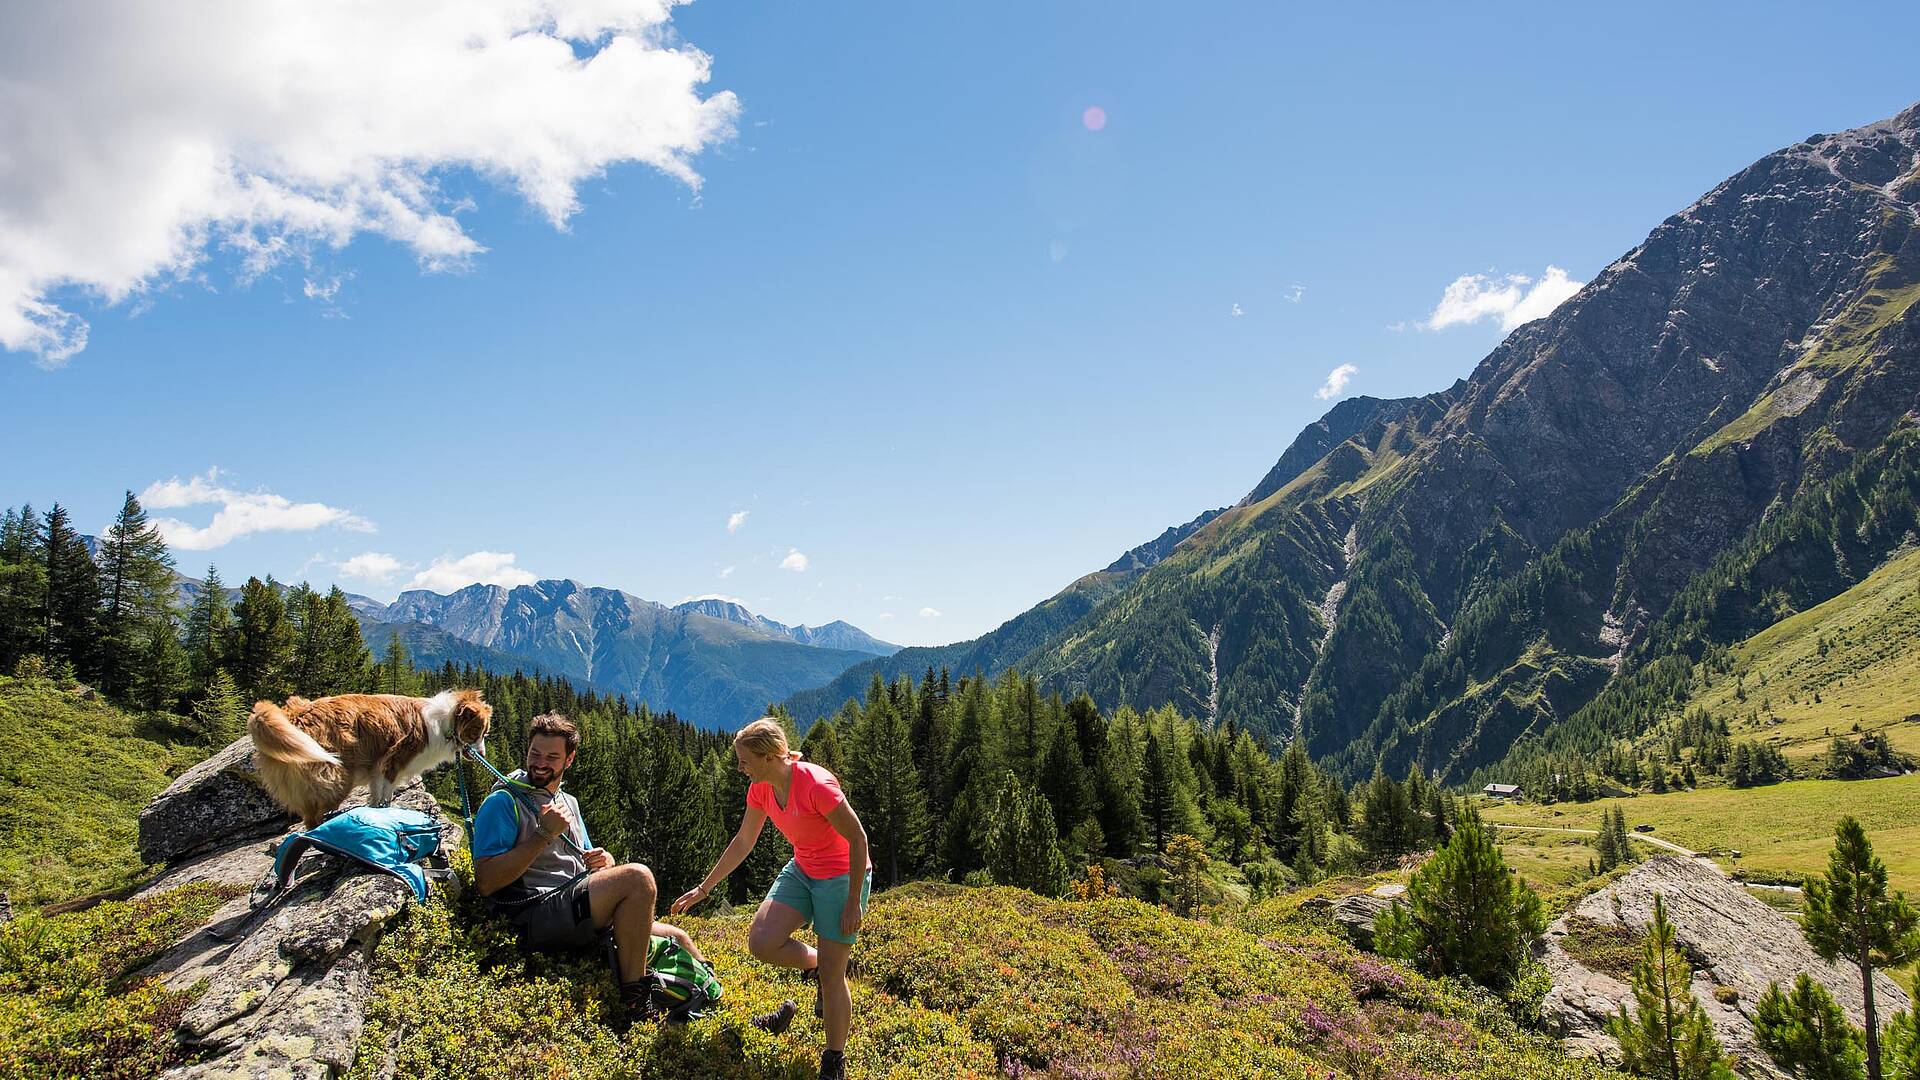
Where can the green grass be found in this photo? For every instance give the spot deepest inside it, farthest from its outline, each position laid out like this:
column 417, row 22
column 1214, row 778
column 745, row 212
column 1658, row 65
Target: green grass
column 1548, row 861
column 76, row 774
column 1868, row 680
column 1785, row 828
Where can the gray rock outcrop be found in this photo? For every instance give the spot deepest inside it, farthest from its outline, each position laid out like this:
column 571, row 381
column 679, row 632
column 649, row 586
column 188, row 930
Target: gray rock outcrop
column 285, row 988
column 211, row 805
column 1355, row 914
column 1736, row 943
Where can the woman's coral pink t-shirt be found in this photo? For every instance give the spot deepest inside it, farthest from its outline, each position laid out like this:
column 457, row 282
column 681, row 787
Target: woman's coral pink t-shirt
column 811, row 793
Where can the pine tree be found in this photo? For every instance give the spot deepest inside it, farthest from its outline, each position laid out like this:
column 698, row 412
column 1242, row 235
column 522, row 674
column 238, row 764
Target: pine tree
column 1187, row 863
column 1606, row 848
column 1805, row 1032
column 70, row 618
column 23, row 587
column 263, row 641
column 396, row 671
column 1117, row 782
column 220, row 714
column 1019, row 842
column 209, row 626
column 160, row 679
column 1467, row 915
column 1852, row 916
column 1668, row 1034
column 886, row 786
column 1387, row 829
column 822, row 744
column 1064, row 780
column 136, row 577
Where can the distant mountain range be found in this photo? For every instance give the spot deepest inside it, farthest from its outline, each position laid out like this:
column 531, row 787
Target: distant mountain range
column 1439, row 580
column 710, row 660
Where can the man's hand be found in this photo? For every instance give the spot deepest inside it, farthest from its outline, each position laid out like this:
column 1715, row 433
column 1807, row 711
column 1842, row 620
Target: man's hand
column 598, row 858
column 555, row 819
column 850, row 917
column 688, row 899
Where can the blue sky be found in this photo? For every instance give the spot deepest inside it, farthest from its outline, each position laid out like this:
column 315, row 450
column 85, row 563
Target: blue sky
column 921, row 321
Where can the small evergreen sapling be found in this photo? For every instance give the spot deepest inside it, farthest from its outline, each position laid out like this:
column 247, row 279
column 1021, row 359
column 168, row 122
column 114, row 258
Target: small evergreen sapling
column 1805, row 1032
column 1667, row 1035
column 1467, row 914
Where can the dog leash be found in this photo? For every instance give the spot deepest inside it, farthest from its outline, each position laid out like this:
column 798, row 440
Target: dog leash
column 466, row 801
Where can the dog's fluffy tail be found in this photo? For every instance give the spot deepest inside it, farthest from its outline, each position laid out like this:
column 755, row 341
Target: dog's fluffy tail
column 277, row 739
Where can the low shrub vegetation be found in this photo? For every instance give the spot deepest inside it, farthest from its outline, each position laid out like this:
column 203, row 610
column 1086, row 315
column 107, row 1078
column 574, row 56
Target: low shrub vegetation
column 72, row 1002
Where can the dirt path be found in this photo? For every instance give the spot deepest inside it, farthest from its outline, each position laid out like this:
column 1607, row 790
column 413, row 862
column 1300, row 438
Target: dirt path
column 1654, row 840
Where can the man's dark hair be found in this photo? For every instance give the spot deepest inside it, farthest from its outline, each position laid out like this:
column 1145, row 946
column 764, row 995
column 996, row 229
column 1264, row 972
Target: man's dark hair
column 554, row 723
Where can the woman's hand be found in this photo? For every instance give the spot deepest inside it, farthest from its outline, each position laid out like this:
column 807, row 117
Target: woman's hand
column 850, row 916
column 688, row 899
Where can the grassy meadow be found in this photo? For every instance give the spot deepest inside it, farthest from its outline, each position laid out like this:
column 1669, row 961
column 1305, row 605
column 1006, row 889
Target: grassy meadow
column 1845, row 667
column 1779, row 828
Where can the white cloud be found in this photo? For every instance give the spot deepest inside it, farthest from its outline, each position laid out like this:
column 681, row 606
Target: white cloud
column 1336, row 383
column 372, row 566
column 447, row 574
column 241, row 513
column 1295, row 293
column 929, row 613
column 736, row 519
column 141, row 137
column 1237, row 312
column 884, row 616
column 727, row 573
column 794, row 561
column 1513, row 299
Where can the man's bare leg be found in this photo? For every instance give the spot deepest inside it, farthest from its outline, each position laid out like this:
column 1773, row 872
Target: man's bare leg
column 624, row 896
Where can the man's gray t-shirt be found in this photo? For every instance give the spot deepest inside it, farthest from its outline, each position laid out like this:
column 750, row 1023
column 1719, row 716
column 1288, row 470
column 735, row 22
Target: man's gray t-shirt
column 507, row 818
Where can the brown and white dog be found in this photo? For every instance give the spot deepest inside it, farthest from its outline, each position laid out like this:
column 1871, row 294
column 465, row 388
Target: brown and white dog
column 311, row 754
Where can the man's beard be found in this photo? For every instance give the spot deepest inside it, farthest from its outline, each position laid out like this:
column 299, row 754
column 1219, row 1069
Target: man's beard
column 541, row 777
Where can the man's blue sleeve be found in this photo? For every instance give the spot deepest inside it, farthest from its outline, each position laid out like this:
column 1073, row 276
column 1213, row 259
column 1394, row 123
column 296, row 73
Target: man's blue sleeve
column 496, row 827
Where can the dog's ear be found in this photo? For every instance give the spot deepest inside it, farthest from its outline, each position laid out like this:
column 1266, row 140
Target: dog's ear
column 296, row 704
column 471, row 716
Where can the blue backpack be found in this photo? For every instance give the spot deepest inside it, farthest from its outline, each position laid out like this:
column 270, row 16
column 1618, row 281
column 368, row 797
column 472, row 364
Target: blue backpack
column 391, row 839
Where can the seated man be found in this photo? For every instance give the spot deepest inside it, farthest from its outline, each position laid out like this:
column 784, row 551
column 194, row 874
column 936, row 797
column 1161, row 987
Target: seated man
column 531, row 855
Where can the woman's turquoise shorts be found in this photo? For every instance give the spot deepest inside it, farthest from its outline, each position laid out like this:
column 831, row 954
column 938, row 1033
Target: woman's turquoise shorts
column 821, row 900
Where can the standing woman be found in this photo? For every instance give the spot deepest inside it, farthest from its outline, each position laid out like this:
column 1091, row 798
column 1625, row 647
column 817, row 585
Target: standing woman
column 815, row 887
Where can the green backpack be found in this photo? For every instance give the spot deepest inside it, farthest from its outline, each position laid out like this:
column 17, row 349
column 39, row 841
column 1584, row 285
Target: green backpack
column 683, row 987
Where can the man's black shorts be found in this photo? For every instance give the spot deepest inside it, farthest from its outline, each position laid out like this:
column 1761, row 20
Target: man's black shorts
column 563, row 919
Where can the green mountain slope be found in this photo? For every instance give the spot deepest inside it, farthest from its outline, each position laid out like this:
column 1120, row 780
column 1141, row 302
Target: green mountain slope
column 1018, row 639
column 1473, row 569
column 1847, row 666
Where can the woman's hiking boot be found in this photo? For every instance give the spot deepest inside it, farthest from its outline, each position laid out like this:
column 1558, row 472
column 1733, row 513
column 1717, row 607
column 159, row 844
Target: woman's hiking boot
column 812, row 975
column 778, row 1020
column 833, row 1065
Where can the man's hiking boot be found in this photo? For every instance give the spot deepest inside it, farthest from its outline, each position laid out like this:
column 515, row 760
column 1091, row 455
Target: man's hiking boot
column 833, row 1065
column 636, row 1000
column 777, row 1021
column 812, row 975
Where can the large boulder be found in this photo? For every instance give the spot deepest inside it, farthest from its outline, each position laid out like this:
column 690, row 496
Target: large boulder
column 283, row 989
column 1737, row 944
column 211, row 805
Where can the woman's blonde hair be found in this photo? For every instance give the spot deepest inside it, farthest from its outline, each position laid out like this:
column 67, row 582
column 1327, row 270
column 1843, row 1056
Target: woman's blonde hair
column 766, row 737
